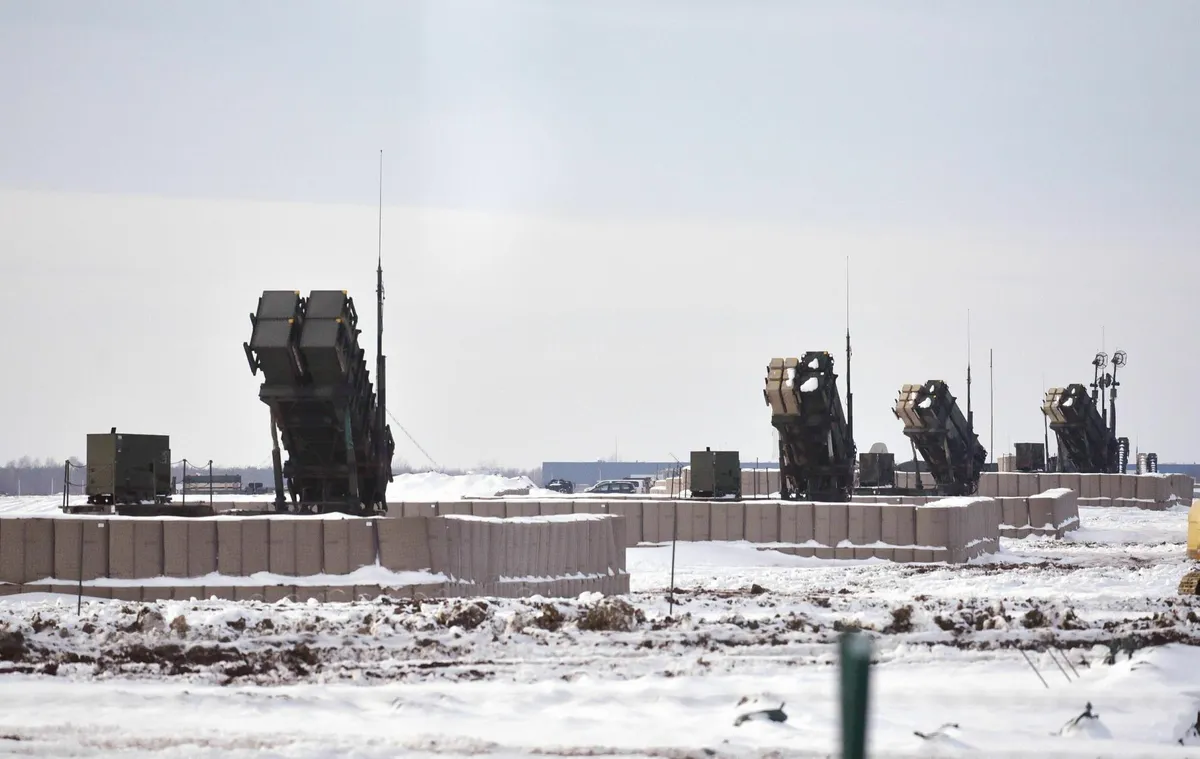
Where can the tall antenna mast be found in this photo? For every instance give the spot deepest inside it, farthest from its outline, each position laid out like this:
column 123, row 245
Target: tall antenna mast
column 380, row 361
column 970, row 413
column 849, row 392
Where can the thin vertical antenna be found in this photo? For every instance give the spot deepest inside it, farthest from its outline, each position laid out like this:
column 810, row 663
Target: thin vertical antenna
column 970, row 413
column 380, row 361
column 849, row 392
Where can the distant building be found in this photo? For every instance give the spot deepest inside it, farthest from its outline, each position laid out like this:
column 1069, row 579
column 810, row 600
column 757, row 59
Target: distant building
column 591, row 472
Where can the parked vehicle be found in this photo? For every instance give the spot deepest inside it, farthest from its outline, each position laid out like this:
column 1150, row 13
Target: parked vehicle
column 626, row 487
column 561, row 486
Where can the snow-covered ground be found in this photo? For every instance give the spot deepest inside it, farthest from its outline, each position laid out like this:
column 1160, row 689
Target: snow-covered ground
column 424, row 487
column 1097, row 615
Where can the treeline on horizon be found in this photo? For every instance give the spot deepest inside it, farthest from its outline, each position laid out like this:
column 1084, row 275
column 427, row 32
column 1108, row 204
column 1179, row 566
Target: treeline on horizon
column 27, row 476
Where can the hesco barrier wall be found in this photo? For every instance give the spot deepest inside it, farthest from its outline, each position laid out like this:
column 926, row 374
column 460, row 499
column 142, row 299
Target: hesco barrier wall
column 953, row 529
column 144, row 558
column 1146, row 491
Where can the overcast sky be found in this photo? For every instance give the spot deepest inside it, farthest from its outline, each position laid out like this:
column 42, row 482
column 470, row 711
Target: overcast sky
column 603, row 218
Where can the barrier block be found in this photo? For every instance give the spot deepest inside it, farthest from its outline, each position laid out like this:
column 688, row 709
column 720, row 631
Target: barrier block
column 121, row 549
column 666, row 521
column 187, row 593
column 1041, row 513
column 650, row 521
column 336, row 546
column 621, row 541
column 368, row 593
column 281, row 546
column 994, row 516
column 1027, row 484
column 1089, row 485
column 256, row 545
column 735, row 521
column 769, row 516
column 229, row 547
column 130, row 593
column 362, row 542
column 932, row 533
column 175, row 547
column 702, row 520
column 339, row 594
column 805, row 530
column 249, row 593
column 479, row 557
column 887, row 553
column 404, row 544
column 310, row 545
column 988, row 486
column 577, row 540
column 632, row 511
column 1070, row 481
column 457, row 548
column 12, row 550
column 1014, row 511
column 419, row 509
column 683, row 520
column 865, row 526
column 153, row 593
column 209, row 592
column 754, row 521
column 148, row 548
column 556, row 507
column 543, row 546
column 276, row 593
column 1047, row 481
column 958, row 535
column 831, row 523
column 598, row 537
column 787, row 521
column 68, row 545
column 1007, row 484
column 718, row 514
column 591, row 506
column 310, row 592
column 202, row 547
column 39, row 549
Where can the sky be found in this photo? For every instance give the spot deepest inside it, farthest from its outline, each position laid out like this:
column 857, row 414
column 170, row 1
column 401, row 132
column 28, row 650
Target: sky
column 602, row 220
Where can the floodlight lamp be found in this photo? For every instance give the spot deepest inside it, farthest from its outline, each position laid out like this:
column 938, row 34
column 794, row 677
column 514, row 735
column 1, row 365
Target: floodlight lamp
column 1119, row 358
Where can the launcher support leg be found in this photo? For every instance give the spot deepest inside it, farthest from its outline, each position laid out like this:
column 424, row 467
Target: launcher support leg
column 277, row 463
column 351, row 459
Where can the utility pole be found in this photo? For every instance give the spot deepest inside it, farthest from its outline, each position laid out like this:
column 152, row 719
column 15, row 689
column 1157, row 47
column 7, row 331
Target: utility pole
column 991, row 405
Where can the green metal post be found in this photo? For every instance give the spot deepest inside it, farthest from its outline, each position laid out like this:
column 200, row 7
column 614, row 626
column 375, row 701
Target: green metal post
column 855, row 654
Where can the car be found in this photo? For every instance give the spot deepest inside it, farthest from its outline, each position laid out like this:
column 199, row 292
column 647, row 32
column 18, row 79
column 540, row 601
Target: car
column 622, row 487
column 561, row 486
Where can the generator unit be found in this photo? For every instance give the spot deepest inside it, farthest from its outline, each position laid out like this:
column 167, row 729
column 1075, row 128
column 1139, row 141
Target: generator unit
column 876, row 470
column 126, row 468
column 716, row 474
column 1030, row 457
